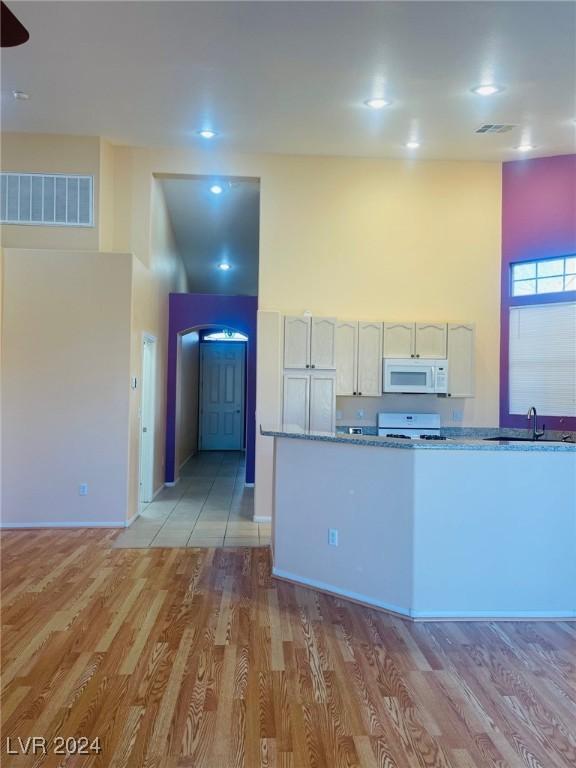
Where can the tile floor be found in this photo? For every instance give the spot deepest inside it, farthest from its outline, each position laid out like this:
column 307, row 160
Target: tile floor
column 209, row 507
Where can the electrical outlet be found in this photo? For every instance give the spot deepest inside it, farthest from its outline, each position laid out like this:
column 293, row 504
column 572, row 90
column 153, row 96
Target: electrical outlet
column 360, row 413
column 457, row 415
column 333, row 537
column 83, row 489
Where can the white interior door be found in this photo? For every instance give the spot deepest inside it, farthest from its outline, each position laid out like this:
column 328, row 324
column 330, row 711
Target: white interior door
column 222, row 396
column 147, row 419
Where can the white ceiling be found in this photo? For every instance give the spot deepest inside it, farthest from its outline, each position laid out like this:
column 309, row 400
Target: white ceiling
column 211, row 229
column 292, row 77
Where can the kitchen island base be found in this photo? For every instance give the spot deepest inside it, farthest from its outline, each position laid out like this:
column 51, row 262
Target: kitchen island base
column 429, row 534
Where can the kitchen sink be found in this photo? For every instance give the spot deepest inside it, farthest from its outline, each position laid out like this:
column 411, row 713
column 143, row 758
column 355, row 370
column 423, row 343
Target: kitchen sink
column 521, row 440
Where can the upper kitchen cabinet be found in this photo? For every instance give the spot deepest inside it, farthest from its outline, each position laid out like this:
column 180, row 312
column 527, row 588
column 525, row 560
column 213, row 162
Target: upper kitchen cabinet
column 297, row 342
column 346, row 357
column 399, row 339
column 461, row 344
column 309, row 342
column 323, row 343
column 430, row 340
column 426, row 340
column 369, row 379
column 358, row 358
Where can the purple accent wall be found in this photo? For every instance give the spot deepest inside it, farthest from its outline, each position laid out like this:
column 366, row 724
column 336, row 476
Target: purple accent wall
column 190, row 310
column 538, row 221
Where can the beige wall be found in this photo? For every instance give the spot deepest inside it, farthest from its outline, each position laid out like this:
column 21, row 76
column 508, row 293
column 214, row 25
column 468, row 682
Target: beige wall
column 355, row 238
column 65, row 385
column 150, row 289
column 187, row 382
column 44, row 153
column 361, row 239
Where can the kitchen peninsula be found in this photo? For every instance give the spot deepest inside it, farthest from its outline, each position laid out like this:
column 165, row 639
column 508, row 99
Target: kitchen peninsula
column 463, row 528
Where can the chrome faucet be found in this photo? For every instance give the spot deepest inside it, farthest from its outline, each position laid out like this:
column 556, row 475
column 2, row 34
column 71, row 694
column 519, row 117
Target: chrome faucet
column 533, row 416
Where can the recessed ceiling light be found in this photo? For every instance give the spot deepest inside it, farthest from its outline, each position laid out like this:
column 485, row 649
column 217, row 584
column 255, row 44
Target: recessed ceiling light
column 525, row 147
column 21, row 95
column 224, row 266
column 487, row 89
column 377, row 103
column 207, row 133
column 412, row 144
column 216, row 189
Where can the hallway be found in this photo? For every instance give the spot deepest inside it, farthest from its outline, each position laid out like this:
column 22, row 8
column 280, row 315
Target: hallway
column 209, row 507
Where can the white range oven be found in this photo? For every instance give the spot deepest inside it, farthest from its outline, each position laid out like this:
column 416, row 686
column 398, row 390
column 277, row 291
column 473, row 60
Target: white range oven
column 410, row 426
column 417, row 377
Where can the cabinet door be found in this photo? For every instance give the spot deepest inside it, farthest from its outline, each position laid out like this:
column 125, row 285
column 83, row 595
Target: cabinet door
column 398, row 339
column 296, row 342
column 346, row 357
column 461, row 360
column 431, row 340
column 322, row 402
column 370, row 359
column 323, row 343
column 296, row 408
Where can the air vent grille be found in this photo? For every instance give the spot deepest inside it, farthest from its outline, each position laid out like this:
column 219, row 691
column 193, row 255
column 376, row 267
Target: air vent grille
column 495, row 128
column 46, row 199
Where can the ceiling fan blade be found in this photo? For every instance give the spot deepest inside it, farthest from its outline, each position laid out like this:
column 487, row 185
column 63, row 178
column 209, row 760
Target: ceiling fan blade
column 12, row 32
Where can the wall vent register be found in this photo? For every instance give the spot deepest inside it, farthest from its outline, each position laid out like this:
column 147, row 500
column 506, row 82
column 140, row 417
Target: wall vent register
column 47, row 199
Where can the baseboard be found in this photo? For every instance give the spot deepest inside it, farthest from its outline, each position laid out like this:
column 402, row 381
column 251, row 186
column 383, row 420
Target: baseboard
column 417, row 616
column 262, row 519
column 131, row 520
column 64, row 524
column 171, row 485
column 187, row 459
column 249, row 485
column 331, row 590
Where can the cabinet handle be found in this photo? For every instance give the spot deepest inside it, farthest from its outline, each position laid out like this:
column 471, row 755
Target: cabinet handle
column 412, row 355
column 307, row 366
column 353, row 393
column 312, row 366
column 417, row 355
column 359, row 393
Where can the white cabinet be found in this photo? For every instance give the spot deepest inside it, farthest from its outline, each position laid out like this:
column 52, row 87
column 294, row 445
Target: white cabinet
column 430, row 341
column 322, row 402
column 461, row 359
column 309, row 342
column 359, row 358
column 296, row 342
column 346, row 357
column 399, row 339
column 323, row 343
column 309, row 401
column 426, row 340
column 369, row 382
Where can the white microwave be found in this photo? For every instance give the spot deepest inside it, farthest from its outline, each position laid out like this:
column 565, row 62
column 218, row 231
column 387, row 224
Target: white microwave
column 417, row 377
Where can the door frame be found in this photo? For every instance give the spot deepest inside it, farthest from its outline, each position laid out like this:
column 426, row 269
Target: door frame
column 244, row 345
column 146, row 485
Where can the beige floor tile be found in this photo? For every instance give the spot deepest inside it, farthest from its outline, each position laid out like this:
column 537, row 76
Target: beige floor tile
column 171, row 539
column 205, row 542
column 245, row 541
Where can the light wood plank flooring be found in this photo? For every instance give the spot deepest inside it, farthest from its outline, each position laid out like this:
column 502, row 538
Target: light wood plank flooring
column 197, row 658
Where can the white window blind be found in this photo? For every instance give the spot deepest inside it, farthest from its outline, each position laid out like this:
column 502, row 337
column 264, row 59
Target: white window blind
column 542, row 359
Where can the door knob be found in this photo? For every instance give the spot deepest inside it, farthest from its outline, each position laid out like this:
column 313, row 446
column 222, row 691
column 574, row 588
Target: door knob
column 144, row 429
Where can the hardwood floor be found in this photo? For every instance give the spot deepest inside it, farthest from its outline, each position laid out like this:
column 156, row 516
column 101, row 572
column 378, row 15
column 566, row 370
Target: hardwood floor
column 197, row 658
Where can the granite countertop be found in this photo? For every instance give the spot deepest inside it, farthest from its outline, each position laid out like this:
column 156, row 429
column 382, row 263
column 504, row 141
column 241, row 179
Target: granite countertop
column 452, row 444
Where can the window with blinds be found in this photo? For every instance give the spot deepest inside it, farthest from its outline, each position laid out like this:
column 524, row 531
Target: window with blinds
column 46, row 199
column 542, row 359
